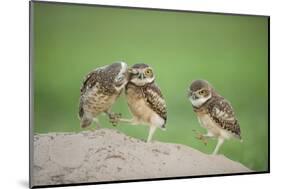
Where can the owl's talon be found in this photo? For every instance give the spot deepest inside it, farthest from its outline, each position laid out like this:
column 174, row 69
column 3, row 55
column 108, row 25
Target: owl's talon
column 205, row 142
column 202, row 138
column 114, row 115
column 118, row 115
column 114, row 123
column 199, row 136
column 114, row 118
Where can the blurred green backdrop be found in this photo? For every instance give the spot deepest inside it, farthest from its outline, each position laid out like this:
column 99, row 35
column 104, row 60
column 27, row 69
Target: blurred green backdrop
column 229, row 51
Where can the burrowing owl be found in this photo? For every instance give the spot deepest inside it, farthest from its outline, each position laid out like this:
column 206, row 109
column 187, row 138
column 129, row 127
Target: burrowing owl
column 145, row 100
column 100, row 90
column 214, row 113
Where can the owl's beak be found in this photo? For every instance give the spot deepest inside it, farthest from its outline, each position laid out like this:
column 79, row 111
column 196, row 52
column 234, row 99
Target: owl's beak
column 192, row 95
column 141, row 76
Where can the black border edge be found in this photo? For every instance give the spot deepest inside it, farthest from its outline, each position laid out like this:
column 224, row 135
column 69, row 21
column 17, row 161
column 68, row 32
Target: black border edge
column 30, row 183
column 31, row 2
column 148, row 180
column 268, row 89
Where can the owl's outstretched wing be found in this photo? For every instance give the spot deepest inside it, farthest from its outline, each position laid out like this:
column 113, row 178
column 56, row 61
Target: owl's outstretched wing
column 155, row 100
column 222, row 113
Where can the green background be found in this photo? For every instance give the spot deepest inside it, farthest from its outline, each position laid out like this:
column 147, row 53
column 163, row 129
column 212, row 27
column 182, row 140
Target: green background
column 229, row 51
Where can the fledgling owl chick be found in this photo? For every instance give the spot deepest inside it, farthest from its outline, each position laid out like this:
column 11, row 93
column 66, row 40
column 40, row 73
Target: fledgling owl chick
column 145, row 99
column 100, row 90
column 214, row 113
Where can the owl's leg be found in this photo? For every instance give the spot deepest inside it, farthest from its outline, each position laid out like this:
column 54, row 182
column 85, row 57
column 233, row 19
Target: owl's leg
column 208, row 135
column 220, row 142
column 113, row 117
column 204, row 137
column 200, row 136
column 131, row 121
column 152, row 129
column 117, row 119
column 97, row 123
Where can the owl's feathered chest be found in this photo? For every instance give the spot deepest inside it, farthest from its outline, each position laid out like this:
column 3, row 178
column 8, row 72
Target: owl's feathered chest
column 217, row 116
column 146, row 103
column 136, row 102
column 206, row 121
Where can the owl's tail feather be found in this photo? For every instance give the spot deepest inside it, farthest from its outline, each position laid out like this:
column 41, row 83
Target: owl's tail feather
column 240, row 138
column 163, row 127
column 81, row 111
column 85, row 122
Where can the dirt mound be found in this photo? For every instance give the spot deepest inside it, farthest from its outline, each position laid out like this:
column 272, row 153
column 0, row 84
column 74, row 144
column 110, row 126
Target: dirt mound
column 106, row 155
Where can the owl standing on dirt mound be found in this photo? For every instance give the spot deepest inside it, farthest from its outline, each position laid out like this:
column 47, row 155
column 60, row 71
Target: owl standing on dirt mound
column 100, row 90
column 214, row 113
column 145, row 100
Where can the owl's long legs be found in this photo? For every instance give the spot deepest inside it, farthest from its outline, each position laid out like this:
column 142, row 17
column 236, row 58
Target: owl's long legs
column 152, row 129
column 220, row 142
column 131, row 121
column 203, row 137
column 97, row 123
column 206, row 136
column 113, row 117
column 124, row 120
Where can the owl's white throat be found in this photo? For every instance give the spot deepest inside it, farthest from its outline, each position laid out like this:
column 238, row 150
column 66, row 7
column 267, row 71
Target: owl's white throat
column 199, row 101
column 142, row 82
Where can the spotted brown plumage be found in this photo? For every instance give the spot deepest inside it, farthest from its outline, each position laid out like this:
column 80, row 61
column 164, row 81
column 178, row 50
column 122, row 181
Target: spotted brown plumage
column 145, row 100
column 222, row 113
column 155, row 100
column 214, row 113
column 104, row 76
column 100, row 89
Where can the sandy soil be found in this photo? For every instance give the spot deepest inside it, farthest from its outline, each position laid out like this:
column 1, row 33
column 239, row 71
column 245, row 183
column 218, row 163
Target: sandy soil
column 106, row 155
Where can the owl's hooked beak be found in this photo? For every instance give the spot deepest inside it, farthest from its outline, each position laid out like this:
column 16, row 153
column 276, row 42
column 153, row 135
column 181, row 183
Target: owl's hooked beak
column 192, row 95
column 141, row 76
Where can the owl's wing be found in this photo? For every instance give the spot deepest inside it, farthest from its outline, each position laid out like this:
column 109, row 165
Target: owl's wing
column 155, row 100
column 222, row 113
column 89, row 81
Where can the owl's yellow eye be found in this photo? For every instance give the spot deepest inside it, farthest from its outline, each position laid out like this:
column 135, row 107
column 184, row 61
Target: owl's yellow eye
column 148, row 72
column 202, row 92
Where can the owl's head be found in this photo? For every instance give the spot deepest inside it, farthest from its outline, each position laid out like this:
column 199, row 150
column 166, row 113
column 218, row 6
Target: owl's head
column 120, row 74
column 199, row 92
column 141, row 74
